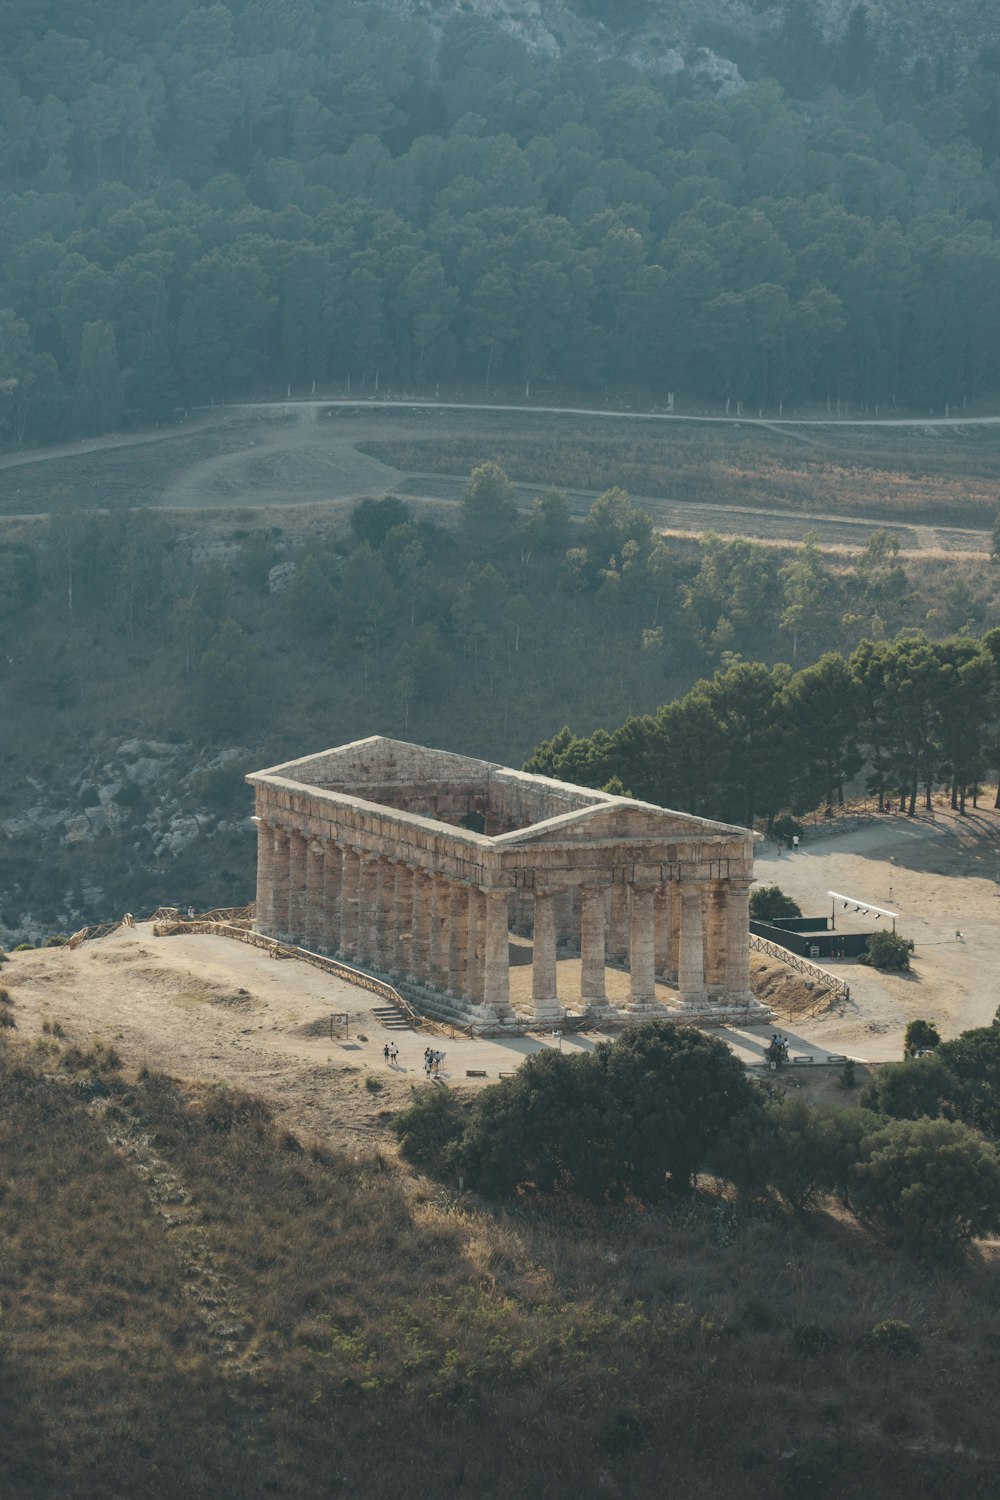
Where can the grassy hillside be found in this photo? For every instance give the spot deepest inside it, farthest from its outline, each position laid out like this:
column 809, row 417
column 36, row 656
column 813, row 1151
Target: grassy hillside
column 196, row 1303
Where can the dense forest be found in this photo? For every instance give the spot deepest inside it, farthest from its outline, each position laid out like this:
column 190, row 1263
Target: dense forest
column 207, row 201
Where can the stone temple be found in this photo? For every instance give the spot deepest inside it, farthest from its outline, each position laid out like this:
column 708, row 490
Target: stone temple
column 414, row 864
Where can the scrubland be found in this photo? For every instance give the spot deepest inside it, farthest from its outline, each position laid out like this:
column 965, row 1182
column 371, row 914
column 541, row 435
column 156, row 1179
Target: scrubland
column 198, row 1302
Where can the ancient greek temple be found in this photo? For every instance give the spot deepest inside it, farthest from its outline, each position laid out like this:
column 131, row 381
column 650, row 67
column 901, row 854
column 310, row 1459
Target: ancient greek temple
column 415, row 865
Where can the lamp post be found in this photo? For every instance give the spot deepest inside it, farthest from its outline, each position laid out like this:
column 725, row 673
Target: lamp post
column 892, row 863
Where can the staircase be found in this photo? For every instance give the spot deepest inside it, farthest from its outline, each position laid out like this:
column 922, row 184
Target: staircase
column 392, row 1017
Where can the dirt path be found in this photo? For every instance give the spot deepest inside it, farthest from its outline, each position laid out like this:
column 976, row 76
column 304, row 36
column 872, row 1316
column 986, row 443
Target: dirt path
column 202, row 423
column 292, row 455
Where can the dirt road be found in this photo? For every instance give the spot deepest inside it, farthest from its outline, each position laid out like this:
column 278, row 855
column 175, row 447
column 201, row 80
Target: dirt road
column 292, row 453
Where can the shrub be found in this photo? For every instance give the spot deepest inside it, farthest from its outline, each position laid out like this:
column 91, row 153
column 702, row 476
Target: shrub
column 429, row 1127
column 769, row 901
column 846, row 1077
column 57, row 940
column 886, row 950
column 893, row 1337
column 5, row 998
column 227, row 1109
column 7, row 1022
column 929, row 1184
column 921, row 1036
column 372, row 1084
column 23, row 948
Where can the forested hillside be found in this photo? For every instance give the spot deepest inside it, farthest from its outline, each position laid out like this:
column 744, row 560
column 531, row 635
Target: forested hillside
column 150, row 664
column 203, row 202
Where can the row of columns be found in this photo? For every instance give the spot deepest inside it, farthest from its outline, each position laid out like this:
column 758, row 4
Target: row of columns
column 402, row 920
column 396, row 918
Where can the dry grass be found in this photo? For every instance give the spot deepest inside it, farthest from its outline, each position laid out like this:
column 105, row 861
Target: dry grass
column 918, row 477
column 401, row 1341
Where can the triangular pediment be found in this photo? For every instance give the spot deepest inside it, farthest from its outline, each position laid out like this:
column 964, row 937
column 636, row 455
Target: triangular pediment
column 620, row 820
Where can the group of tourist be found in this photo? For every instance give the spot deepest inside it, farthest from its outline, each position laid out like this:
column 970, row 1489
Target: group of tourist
column 776, row 1051
column 433, row 1061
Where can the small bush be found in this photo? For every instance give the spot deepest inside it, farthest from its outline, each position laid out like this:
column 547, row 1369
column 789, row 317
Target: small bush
column 372, row 1084
column 23, row 948
column 5, row 998
column 429, row 1127
column 893, row 1337
column 7, row 1022
column 886, row 950
column 228, row 1109
column 846, row 1077
column 57, row 940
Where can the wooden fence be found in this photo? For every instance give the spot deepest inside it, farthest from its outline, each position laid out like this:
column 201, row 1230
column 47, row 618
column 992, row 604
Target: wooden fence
column 841, row 990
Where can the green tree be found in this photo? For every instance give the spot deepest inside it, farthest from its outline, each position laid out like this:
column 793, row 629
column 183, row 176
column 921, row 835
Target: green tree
column 770, row 901
column 886, row 950
column 920, row 1036
column 639, row 1116
column 489, row 510
column 930, row 1184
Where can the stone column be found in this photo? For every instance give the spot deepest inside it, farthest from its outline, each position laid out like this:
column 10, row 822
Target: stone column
column 618, row 927
column 544, row 995
column 477, row 924
column 440, row 895
column 715, row 938
column 674, row 940
column 738, row 991
column 642, row 951
column 280, row 883
column 350, row 881
column 661, row 918
column 296, row 886
column 263, row 911
column 458, row 940
column 333, row 861
column 402, row 920
column 496, row 954
column 422, row 886
column 593, row 993
column 367, row 909
column 312, row 912
column 385, row 890
column 691, row 967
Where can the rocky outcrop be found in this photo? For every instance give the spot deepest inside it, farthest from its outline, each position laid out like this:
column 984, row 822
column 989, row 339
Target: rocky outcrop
column 136, row 812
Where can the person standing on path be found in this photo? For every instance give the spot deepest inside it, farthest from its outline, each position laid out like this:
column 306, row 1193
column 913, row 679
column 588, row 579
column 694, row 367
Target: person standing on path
column 385, row 1053
column 393, row 1053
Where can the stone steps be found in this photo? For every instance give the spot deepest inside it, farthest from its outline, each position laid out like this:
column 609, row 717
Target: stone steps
column 392, row 1018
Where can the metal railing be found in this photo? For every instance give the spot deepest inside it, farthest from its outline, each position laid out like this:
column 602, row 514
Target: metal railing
column 841, row 990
